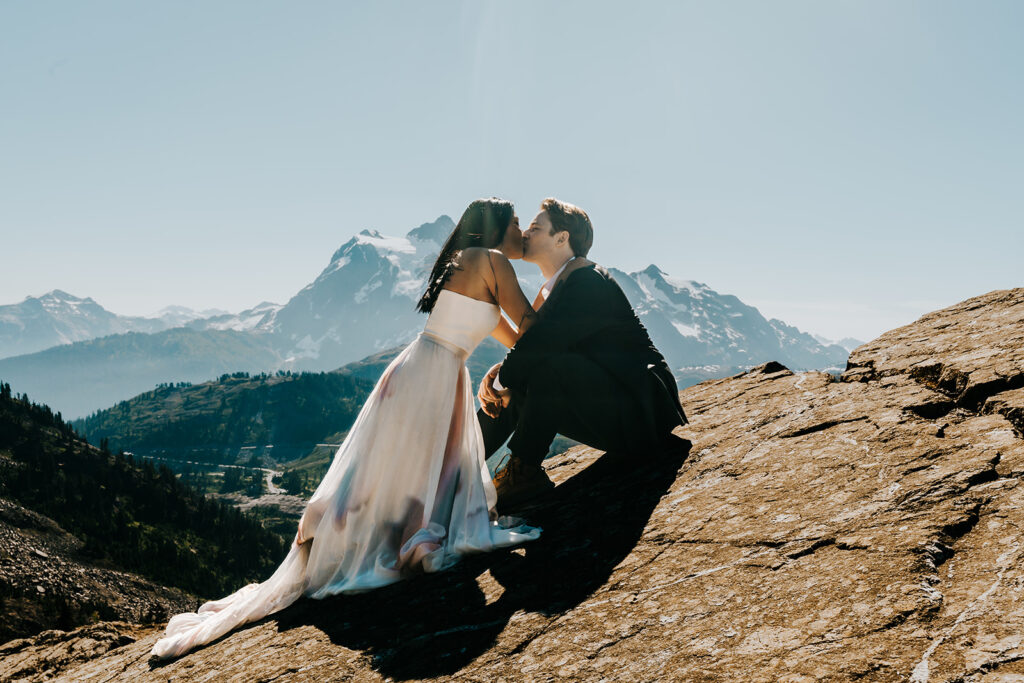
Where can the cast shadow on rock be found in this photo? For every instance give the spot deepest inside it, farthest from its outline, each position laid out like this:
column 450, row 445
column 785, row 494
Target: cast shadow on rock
column 436, row 624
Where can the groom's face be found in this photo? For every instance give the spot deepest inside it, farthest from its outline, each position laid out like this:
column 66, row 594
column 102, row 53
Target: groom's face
column 537, row 239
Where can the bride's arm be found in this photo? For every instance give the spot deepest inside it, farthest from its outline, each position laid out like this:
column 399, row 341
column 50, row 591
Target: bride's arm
column 505, row 334
column 506, row 290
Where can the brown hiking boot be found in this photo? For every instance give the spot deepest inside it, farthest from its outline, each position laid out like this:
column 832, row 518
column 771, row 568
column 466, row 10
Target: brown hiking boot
column 519, row 482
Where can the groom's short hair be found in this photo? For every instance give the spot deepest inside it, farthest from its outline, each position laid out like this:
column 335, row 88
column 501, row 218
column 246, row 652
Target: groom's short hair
column 566, row 217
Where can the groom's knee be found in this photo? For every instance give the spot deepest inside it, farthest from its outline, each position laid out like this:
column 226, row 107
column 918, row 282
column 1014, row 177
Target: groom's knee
column 576, row 379
column 562, row 373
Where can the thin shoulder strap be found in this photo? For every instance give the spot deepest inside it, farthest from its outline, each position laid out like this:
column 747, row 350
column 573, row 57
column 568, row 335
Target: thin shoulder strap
column 494, row 275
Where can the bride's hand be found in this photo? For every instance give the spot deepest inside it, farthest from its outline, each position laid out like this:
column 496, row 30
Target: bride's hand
column 487, row 393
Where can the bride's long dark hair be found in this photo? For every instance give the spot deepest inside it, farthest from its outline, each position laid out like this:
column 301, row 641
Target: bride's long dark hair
column 483, row 224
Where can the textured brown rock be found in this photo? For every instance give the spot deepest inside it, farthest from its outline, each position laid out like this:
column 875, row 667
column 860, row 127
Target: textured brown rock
column 868, row 528
column 36, row 659
column 969, row 351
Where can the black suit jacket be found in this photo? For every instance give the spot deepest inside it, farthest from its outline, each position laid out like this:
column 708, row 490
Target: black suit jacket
column 587, row 313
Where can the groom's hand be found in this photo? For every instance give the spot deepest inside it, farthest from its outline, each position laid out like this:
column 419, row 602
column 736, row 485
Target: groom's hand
column 494, row 409
column 491, row 410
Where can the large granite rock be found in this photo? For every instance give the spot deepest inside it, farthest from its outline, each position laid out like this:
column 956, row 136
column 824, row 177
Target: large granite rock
column 866, row 528
column 970, row 352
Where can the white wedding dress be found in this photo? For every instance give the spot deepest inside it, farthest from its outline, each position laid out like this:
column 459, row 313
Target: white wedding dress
column 407, row 491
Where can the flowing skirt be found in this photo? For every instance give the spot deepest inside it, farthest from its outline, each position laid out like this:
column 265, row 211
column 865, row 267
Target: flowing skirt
column 407, row 491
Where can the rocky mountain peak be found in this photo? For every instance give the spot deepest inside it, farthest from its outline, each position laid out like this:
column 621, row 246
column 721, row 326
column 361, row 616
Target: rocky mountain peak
column 672, row 285
column 861, row 528
column 58, row 318
column 848, row 343
column 179, row 310
column 436, row 232
column 177, row 316
column 343, row 249
column 59, row 300
column 61, row 295
column 369, row 245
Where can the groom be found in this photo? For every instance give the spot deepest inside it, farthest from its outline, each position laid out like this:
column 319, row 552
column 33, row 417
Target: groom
column 586, row 369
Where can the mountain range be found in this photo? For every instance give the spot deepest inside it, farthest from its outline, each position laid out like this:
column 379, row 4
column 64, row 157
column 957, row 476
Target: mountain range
column 361, row 304
column 848, row 343
column 58, row 318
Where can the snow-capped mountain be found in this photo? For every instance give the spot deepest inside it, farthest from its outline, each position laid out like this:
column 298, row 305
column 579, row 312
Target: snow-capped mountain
column 364, row 301
column 361, row 303
column 848, row 343
column 178, row 316
column 255, row 318
column 694, row 326
column 58, row 318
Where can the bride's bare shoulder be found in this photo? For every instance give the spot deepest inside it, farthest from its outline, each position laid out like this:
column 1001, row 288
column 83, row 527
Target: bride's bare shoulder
column 481, row 257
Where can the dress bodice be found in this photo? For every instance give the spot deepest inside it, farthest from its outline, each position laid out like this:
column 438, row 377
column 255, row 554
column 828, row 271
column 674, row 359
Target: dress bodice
column 461, row 320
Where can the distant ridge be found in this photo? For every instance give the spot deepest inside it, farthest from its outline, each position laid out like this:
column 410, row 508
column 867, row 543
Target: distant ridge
column 58, row 318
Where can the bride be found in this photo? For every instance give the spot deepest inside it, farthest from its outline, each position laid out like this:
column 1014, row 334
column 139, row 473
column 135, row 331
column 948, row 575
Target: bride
column 408, row 490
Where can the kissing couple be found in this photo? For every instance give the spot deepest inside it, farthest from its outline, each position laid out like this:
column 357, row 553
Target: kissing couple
column 409, row 489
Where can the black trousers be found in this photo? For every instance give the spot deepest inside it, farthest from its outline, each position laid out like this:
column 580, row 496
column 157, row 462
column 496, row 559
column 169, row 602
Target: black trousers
column 570, row 395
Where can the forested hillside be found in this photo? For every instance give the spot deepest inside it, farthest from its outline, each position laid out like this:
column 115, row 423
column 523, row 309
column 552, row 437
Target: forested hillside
column 130, row 515
column 291, row 411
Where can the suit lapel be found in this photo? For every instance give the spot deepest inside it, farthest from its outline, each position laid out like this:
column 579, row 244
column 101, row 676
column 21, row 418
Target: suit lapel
column 559, row 287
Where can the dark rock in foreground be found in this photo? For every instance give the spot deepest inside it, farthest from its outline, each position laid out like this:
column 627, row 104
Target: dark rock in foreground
column 867, row 528
column 45, row 582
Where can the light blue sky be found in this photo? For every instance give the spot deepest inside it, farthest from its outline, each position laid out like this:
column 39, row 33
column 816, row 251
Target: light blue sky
column 845, row 166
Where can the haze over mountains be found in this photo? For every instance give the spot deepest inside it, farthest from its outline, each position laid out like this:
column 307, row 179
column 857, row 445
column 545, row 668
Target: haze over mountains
column 362, row 303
